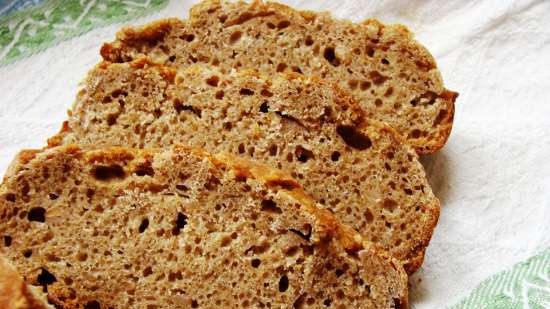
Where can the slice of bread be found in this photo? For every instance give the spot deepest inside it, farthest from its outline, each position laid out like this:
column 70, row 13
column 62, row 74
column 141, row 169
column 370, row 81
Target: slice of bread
column 123, row 228
column 394, row 77
column 359, row 169
column 14, row 292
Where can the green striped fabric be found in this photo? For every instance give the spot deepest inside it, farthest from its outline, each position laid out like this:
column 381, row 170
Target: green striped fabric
column 34, row 28
column 525, row 286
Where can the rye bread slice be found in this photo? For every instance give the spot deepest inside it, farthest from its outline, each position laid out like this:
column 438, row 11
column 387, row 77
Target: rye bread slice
column 359, row 169
column 123, row 228
column 394, row 77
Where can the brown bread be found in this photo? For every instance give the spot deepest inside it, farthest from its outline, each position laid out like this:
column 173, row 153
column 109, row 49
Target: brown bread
column 360, row 169
column 394, row 77
column 123, row 228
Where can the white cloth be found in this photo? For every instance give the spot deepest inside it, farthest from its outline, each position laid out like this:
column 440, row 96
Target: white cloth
column 493, row 176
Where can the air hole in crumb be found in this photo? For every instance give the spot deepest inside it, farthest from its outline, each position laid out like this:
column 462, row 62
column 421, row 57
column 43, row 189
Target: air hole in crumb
column 241, row 148
column 266, row 93
column 377, row 78
column 370, row 51
column 304, row 235
column 283, row 284
column 255, row 263
column 378, row 102
column 45, row 278
column 396, row 303
column 10, row 197
column 105, row 173
column 220, row 94
column 190, row 37
column 281, row 67
column 369, row 217
column 27, row 253
column 145, row 170
column 194, row 304
column 353, row 138
column 270, row 25
column 296, row 69
column 53, row 196
column 389, row 205
column 283, row 24
column 246, row 91
column 172, row 58
column 235, row 36
column 82, row 256
column 303, row 154
column 272, row 150
column 180, row 223
column 271, row 206
column 330, row 56
column 37, row 214
column 94, row 304
column 309, row 40
column 264, row 108
column 365, row 85
column 111, row 118
column 385, row 61
column 335, row 156
column 147, row 271
column 415, row 133
column 327, row 302
column 353, row 83
column 144, row 225
column 7, row 240
column 213, row 81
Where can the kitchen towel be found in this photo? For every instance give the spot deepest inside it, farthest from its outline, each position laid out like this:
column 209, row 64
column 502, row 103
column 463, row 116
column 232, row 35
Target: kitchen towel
column 490, row 248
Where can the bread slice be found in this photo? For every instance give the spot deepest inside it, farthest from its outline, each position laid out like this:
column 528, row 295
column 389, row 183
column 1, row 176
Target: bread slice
column 394, row 77
column 122, row 228
column 359, row 169
column 14, row 292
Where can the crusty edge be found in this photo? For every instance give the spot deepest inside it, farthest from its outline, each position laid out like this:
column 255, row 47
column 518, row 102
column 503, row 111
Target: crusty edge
column 416, row 257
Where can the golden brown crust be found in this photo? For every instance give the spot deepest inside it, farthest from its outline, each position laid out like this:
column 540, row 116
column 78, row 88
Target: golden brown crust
column 426, row 127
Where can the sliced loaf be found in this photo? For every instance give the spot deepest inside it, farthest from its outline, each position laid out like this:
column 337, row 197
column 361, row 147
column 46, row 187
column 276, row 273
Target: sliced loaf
column 180, row 228
column 360, row 169
column 394, row 77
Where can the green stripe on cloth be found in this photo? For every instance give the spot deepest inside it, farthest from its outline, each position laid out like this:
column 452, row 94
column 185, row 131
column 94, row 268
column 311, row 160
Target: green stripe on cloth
column 525, row 286
column 26, row 32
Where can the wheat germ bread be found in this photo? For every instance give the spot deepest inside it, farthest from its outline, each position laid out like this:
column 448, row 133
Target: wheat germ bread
column 121, row 228
column 14, row 292
column 359, row 169
column 394, row 77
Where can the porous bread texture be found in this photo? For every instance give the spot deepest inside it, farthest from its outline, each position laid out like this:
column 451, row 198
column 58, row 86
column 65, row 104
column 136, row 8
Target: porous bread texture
column 394, row 77
column 358, row 169
column 14, row 292
column 123, row 228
